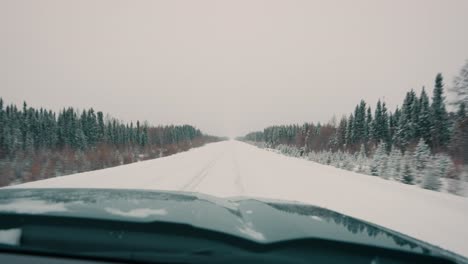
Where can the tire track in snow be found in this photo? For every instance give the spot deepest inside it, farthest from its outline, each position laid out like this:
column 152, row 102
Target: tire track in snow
column 238, row 179
column 200, row 176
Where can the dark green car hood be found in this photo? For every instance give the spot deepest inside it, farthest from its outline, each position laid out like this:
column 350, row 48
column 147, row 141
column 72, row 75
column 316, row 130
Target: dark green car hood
column 254, row 219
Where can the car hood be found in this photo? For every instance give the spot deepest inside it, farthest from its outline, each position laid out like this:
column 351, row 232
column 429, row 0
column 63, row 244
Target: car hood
column 259, row 220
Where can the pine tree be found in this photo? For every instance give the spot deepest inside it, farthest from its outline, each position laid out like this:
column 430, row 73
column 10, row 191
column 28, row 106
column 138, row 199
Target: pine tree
column 377, row 125
column 101, row 127
column 378, row 165
column 394, row 120
column 385, row 126
column 407, row 175
column 394, row 164
column 424, row 122
column 415, row 113
column 349, row 131
column 380, row 127
column 406, row 132
column 440, row 123
column 341, row 132
column 459, row 140
column 368, row 128
column 359, row 127
column 432, row 175
column 461, row 113
column 421, row 155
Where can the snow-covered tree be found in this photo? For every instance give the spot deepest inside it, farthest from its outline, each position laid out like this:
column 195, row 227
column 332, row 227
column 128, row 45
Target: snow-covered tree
column 460, row 86
column 407, row 174
column 440, row 123
column 378, row 164
column 421, row 155
column 406, row 127
column 361, row 161
column 394, row 163
column 432, row 176
column 424, row 117
column 369, row 120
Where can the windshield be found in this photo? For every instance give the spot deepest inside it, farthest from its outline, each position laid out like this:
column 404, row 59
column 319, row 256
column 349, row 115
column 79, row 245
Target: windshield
column 268, row 121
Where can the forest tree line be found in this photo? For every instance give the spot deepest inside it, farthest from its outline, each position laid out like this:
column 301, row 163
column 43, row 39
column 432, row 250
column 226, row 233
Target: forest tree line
column 39, row 143
column 422, row 121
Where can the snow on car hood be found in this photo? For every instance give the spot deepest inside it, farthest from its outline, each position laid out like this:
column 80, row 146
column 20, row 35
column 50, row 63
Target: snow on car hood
column 258, row 220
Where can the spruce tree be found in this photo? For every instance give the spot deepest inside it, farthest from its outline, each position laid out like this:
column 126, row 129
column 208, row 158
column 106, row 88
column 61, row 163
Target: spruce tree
column 459, row 139
column 350, row 131
column 424, row 122
column 415, row 113
column 405, row 132
column 407, row 175
column 440, row 123
column 368, row 128
column 101, row 127
column 422, row 154
column 377, row 124
column 359, row 128
column 461, row 112
column 378, row 165
column 432, row 175
column 385, row 126
column 394, row 163
column 341, row 132
column 394, row 120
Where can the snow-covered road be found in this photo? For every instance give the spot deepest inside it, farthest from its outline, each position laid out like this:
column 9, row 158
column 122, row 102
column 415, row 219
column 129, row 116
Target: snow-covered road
column 233, row 168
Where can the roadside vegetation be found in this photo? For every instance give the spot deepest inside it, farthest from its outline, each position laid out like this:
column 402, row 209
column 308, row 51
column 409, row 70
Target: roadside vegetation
column 38, row 143
column 419, row 143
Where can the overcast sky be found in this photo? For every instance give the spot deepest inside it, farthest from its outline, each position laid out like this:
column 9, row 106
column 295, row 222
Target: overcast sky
column 227, row 67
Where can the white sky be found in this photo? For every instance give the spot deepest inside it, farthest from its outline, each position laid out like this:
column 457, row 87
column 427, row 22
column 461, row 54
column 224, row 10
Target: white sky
column 227, row 67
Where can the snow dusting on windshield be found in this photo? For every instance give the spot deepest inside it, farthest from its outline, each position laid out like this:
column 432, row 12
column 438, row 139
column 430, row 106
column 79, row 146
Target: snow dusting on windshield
column 137, row 213
column 26, row 206
column 248, row 230
column 10, row 236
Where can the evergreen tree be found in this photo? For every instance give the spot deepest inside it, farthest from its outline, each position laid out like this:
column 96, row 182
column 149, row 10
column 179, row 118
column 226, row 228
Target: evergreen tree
column 406, row 127
column 432, row 175
column 421, row 155
column 359, row 127
column 407, row 175
column 377, row 125
column 440, row 123
column 350, row 131
column 459, row 140
column 378, row 165
column 341, row 132
column 424, row 122
column 368, row 127
column 385, row 126
column 394, row 164
column 415, row 113
column 381, row 123
column 394, row 120
column 461, row 113
column 101, row 127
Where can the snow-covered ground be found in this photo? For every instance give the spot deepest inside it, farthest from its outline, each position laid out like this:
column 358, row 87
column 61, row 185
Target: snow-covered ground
column 233, row 168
